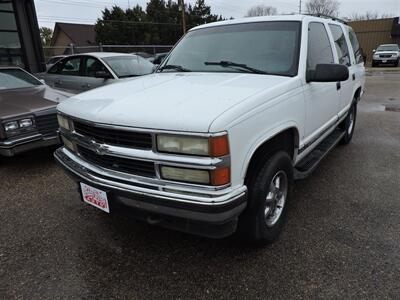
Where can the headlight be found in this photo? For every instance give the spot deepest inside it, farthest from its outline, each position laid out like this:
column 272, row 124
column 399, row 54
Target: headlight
column 201, row 146
column 10, row 126
column 215, row 177
column 13, row 127
column 186, row 175
column 68, row 144
column 63, row 122
column 24, row 123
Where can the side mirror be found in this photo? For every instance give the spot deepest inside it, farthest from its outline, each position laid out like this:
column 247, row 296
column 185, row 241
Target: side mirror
column 328, row 73
column 102, row 74
column 373, row 51
column 42, row 81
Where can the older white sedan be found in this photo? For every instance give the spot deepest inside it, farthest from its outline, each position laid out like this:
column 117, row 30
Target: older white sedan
column 83, row 72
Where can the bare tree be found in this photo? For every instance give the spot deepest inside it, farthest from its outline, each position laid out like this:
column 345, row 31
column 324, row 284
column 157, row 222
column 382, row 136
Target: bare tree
column 261, row 10
column 323, row 7
column 369, row 15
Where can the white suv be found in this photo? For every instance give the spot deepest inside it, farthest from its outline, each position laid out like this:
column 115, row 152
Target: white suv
column 212, row 142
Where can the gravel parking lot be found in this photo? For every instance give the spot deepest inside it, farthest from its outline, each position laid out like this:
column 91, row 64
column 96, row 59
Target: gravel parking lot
column 342, row 237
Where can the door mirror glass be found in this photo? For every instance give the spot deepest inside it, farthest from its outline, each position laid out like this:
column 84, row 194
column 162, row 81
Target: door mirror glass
column 328, row 73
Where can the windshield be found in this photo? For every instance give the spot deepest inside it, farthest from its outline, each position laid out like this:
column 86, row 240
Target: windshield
column 388, row 48
column 16, row 79
column 129, row 66
column 267, row 47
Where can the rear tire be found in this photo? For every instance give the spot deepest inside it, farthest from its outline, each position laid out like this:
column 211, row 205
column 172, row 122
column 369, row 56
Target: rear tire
column 269, row 194
column 349, row 124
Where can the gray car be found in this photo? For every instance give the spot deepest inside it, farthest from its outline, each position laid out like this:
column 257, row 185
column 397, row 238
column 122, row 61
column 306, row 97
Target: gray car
column 83, row 72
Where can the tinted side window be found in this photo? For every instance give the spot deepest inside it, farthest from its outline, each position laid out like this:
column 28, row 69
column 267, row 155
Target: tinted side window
column 356, row 46
column 56, row 68
column 341, row 45
column 319, row 46
column 71, row 67
column 93, row 65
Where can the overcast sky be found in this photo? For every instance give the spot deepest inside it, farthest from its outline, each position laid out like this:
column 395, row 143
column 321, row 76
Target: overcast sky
column 87, row 11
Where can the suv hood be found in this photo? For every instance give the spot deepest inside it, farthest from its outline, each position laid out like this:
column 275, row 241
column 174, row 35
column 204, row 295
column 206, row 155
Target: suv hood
column 19, row 102
column 386, row 52
column 169, row 101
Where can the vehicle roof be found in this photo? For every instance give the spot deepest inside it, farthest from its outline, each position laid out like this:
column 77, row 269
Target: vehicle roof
column 295, row 17
column 104, row 54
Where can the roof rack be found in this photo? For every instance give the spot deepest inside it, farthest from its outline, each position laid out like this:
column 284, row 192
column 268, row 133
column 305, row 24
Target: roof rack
column 327, row 17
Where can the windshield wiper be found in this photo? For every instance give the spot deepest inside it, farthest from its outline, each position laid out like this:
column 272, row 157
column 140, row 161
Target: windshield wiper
column 229, row 64
column 174, row 67
column 127, row 76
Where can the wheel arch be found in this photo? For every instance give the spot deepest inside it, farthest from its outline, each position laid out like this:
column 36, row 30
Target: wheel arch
column 287, row 139
column 357, row 93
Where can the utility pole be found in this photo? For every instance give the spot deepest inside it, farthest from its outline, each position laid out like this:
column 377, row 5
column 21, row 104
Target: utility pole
column 182, row 6
column 300, row 7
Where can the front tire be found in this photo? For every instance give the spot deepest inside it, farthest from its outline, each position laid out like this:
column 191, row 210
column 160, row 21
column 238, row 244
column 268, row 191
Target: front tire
column 269, row 194
column 349, row 123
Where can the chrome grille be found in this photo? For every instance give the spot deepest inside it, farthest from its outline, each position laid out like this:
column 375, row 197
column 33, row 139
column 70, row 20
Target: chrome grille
column 47, row 124
column 114, row 137
column 131, row 166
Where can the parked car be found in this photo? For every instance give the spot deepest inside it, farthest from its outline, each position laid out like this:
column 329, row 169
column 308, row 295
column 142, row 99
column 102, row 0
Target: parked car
column 83, row 72
column 212, row 142
column 143, row 54
column 158, row 58
column 28, row 117
column 388, row 54
column 54, row 59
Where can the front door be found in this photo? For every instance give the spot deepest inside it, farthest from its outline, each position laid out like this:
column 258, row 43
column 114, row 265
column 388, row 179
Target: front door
column 322, row 98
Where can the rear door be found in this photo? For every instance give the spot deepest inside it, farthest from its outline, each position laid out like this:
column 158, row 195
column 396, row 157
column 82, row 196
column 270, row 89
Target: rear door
column 322, row 98
column 357, row 58
column 346, row 91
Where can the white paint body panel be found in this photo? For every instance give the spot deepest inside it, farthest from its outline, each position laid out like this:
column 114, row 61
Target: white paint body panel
column 252, row 108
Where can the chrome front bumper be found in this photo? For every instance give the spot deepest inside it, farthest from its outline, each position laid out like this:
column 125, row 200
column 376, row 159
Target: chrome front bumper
column 194, row 203
column 13, row 146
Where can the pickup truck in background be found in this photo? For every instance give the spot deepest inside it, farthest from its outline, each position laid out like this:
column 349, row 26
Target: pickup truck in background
column 212, row 142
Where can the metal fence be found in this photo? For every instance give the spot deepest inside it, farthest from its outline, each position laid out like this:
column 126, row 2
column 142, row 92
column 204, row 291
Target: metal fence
column 149, row 50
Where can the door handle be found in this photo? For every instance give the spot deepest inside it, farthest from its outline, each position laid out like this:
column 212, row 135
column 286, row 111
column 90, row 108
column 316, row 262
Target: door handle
column 58, row 81
column 354, row 77
column 86, row 85
column 338, row 85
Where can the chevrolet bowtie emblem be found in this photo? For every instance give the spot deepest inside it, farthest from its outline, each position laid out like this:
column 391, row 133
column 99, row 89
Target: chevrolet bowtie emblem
column 99, row 148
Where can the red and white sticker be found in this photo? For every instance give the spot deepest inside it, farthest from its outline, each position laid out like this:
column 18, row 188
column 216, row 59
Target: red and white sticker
column 95, row 197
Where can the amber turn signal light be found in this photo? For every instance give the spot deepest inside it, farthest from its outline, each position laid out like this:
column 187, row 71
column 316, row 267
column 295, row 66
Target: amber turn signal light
column 221, row 176
column 219, row 146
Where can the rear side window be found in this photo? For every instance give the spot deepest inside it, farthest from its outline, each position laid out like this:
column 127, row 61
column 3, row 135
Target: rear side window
column 341, row 46
column 319, row 46
column 356, row 46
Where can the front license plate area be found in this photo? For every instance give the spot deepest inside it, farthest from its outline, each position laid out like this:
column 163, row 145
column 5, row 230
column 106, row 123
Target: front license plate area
column 95, row 197
column 384, row 61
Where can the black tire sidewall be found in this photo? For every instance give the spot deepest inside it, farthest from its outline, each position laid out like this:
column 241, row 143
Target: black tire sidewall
column 252, row 222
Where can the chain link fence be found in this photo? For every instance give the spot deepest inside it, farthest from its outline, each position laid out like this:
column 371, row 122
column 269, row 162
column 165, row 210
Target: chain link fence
column 143, row 50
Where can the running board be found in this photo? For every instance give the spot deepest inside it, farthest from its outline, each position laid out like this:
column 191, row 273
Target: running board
column 308, row 164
